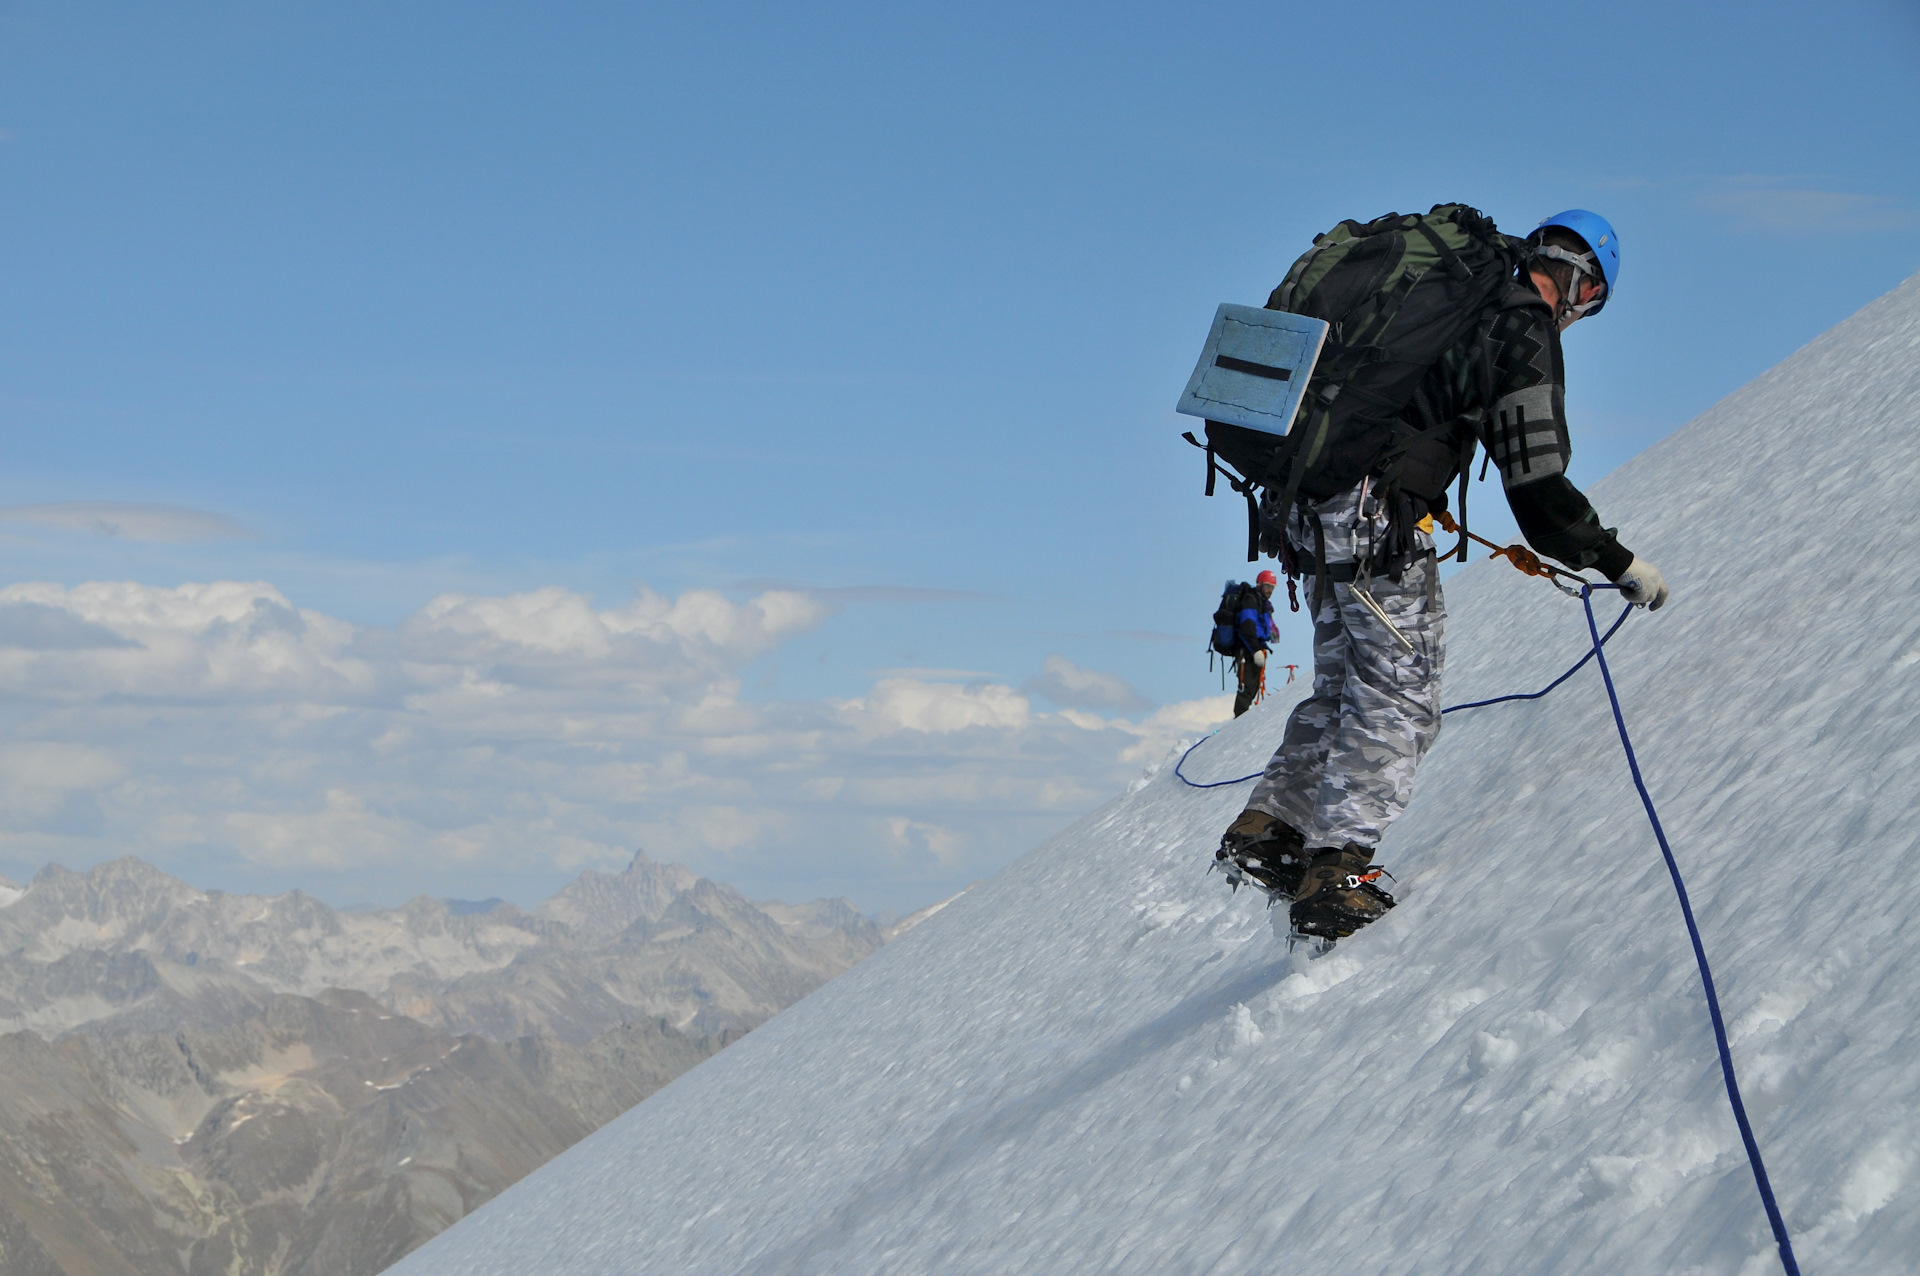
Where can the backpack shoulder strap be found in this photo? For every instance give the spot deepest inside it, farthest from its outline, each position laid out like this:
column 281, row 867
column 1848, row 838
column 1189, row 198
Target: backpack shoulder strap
column 1449, row 259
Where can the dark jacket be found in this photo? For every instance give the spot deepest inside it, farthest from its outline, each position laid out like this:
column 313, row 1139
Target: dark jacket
column 1525, row 430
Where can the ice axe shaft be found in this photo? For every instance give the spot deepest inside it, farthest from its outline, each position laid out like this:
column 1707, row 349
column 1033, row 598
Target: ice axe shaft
column 1375, row 608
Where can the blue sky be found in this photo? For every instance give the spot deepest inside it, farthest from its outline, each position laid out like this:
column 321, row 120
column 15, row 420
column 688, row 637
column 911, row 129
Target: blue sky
column 879, row 307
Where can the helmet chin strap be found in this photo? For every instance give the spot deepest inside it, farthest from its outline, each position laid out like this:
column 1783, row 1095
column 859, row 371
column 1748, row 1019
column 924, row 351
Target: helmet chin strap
column 1585, row 266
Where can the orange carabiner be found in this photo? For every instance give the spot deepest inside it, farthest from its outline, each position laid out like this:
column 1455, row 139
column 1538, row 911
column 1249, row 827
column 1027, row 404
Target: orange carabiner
column 1520, row 556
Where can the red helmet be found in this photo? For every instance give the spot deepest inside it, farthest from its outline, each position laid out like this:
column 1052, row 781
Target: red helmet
column 1266, row 578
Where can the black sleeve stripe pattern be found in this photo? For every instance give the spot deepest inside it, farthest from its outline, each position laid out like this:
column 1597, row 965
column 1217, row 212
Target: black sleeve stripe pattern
column 1527, row 435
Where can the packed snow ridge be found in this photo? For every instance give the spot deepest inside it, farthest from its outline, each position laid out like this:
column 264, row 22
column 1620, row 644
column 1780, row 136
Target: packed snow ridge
column 1099, row 1062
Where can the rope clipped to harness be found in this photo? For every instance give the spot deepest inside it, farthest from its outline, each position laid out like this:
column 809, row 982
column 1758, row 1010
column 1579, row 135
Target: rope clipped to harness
column 1520, row 556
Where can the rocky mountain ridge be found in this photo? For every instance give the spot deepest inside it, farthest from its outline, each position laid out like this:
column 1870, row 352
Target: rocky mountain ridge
column 205, row 1082
column 124, row 947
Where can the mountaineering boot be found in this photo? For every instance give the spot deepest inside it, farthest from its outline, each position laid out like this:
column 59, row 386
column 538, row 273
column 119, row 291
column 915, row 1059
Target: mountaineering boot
column 1264, row 850
column 1337, row 895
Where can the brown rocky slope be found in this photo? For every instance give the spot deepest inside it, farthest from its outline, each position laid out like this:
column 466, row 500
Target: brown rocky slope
column 321, row 1136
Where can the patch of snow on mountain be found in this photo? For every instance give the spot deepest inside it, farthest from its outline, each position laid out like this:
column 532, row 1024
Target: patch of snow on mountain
column 1098, row 1061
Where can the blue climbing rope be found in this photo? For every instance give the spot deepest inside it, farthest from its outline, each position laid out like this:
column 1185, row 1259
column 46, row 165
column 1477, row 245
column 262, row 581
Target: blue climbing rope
column 1217, row 784
column 1679, row 886
column 1578, row 665
column 1699, row 952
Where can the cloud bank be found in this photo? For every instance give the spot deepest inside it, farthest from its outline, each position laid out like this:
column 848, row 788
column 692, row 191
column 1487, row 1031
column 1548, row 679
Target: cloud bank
column 526, row 733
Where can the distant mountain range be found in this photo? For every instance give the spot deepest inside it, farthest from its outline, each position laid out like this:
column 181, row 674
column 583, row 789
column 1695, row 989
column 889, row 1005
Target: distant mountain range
column 253, row 1084
column 124, row 948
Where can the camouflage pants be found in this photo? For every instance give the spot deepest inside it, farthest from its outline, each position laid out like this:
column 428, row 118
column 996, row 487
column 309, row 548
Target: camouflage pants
column 1344, row 770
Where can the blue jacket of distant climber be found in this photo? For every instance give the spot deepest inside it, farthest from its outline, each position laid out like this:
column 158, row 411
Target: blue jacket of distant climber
column 1255, row 623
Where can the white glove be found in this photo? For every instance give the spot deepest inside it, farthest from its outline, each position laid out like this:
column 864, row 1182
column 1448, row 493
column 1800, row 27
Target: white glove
column 1260, row 658
column 1643, row 585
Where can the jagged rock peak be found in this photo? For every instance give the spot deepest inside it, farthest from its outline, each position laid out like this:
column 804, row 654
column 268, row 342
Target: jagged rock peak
column 597, row 906
column 106, row 906
column 105, row 882
column 653, row 940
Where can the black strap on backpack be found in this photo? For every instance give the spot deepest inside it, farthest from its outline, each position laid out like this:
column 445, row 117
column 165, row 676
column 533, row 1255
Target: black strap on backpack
column 1245, row 486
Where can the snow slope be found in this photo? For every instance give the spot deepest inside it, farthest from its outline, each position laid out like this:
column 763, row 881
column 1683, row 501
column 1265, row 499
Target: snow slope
column 1099, row 1062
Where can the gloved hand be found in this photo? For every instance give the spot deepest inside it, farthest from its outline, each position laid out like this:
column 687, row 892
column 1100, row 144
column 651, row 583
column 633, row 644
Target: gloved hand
column 1643, row 585
column 1260, row 658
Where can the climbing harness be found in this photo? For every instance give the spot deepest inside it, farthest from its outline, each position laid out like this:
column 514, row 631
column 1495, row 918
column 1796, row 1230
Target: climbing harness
column 1597, row 652
column 1234, row 665
column 1577, row 666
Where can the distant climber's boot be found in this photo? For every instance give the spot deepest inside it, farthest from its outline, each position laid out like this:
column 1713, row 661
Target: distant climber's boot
column 1264, row 850
column 1338, row 895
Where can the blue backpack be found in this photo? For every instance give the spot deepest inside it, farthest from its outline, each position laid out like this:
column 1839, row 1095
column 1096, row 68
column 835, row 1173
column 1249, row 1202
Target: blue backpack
column 1226, row 619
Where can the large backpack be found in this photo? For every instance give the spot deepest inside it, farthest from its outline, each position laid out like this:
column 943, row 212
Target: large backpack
column 1226, row 617
column 1398, row 292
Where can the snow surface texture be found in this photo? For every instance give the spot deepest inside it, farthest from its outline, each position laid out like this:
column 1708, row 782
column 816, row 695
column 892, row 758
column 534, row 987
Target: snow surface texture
column 1099, row 1062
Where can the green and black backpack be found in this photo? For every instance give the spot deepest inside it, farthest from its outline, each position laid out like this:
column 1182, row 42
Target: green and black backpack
column 1398, row 292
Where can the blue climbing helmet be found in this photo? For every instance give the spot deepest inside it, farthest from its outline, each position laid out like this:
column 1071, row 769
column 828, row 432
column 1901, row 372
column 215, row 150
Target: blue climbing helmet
column 1602, row 257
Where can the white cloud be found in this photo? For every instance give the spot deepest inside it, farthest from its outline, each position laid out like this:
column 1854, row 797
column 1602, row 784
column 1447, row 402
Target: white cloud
column 222, row 640
column 337, row 831
column 127, row 520
column 1067, row 684
column 526, row 732
column 38, row 779
column 907, row 704
column 1174, row 722
column 31, row 626
column 904, row 835
column 728, row 828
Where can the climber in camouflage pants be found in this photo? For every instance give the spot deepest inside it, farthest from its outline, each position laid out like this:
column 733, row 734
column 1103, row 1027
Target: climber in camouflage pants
column 1345, row 768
